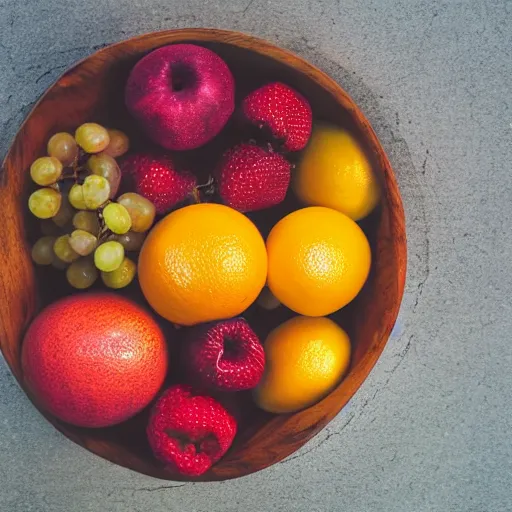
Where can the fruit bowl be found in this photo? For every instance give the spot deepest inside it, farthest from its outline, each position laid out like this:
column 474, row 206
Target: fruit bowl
column 91, row 90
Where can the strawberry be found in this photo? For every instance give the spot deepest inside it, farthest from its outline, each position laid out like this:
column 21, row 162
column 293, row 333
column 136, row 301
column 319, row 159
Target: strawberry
column 189, row 430
column 225, row 356
column 156, row 178
column 284, row 111
column 251, row 178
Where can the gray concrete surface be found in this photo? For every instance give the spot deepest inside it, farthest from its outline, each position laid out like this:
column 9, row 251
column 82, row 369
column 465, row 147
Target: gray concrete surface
column 430, row 429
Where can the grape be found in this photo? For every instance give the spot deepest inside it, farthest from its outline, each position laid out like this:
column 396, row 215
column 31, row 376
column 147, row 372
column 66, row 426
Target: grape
column 92, row 137
column 42, row 252
column 44, row 203
column 63, row 147
column 120, row 277
column 117, row 218
column 76, row 197
column 82, row 242
column 104, row 165
column 96, row 191
column 88, row 221
column 63, row 249
column 108, row 256
column 65, row 213
column 59, row 264
column 119, row 143
column 131, row 241
column 82, row 273
column 267, row 300
column 48, row 228
column 46, row 170
column 141, row 210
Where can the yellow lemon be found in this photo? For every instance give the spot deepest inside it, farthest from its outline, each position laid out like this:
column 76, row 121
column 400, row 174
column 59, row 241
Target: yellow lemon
column 318, row 260
column 335, row 172
column 305, row 358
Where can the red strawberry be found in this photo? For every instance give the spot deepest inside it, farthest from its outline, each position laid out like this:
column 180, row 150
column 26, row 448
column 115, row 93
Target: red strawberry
column 251, row 178
column 156, row 178
column 189, row 431
column 226, row 356
column 282, row 110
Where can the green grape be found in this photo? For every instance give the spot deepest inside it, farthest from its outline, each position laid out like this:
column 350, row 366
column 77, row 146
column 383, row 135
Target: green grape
column 119, row 143
column 42, row 251
column 82, row 274
column 76, row 197
column 117, row 218
column 59, row 264
column 44, row 203
column 65, row 213
column 96, row 191
column 63, row 249
column 141, row 210
column 92, row 137
column 104, row 165
column 46, row 170
column 82, row 242
column 131, row 241
column 88, row 221
column 120, row 277
column 108, row 256
column 63, row 146
column 48, row 228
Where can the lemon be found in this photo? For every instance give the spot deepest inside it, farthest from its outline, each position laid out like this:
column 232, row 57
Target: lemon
column 334, row 172
column 305, row 358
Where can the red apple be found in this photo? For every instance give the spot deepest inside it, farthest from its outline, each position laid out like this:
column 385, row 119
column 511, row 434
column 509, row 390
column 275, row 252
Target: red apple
column 182, row 95
column 225, row 356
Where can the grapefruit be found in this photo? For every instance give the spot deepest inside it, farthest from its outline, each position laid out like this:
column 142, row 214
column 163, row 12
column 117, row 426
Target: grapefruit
column 94, row 360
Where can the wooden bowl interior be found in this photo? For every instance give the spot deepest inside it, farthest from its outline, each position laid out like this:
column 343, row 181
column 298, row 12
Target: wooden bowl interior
column 93, row 91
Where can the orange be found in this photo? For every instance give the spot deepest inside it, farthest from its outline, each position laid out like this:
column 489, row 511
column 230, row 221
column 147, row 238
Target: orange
column 318, row 260
column 334, row 172
column 305, row 359
column 203, row 262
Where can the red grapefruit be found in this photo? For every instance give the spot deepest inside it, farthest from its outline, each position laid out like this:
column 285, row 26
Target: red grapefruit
column 94, row 360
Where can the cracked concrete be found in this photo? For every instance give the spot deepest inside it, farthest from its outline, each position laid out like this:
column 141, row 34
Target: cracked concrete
column 430, row 429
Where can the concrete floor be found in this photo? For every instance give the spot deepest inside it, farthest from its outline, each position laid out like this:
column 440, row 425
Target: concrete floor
column 430, row 429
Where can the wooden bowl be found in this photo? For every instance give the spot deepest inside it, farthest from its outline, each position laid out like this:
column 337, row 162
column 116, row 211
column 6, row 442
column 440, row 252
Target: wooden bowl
column 93, row 90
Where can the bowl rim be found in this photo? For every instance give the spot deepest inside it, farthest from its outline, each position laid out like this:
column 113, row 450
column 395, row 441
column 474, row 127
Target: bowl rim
column 233, row 467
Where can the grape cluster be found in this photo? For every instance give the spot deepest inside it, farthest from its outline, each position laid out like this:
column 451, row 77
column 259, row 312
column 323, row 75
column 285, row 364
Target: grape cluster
column 86, row 229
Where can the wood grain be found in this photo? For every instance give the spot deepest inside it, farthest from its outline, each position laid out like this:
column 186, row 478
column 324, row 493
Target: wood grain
column 93, row 90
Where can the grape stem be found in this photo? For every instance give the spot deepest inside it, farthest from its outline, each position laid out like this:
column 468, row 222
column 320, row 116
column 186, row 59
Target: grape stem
column 77, row 166
column 104, row 233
